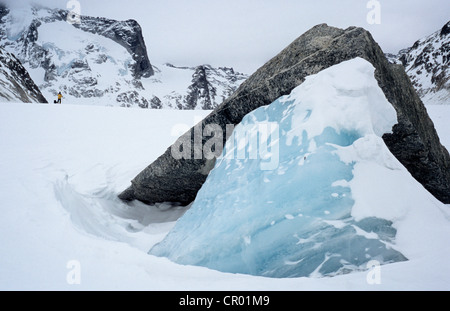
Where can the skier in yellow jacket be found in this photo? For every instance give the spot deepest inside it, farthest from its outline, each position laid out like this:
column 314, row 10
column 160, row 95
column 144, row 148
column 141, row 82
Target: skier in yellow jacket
column 59, row 97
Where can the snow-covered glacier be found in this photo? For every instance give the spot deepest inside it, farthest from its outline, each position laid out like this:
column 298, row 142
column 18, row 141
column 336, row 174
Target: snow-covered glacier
column 306, row 214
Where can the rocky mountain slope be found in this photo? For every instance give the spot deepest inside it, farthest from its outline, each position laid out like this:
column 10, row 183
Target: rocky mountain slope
column 16, row 84
column 200, row 87
column 102, row 60
column 427, row 65
column 413, row 141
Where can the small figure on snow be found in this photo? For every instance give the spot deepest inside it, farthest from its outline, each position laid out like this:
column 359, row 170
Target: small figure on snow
column 59, row 98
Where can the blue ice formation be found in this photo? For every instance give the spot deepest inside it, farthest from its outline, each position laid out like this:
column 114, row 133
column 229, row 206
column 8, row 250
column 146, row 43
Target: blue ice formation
column 291, row 218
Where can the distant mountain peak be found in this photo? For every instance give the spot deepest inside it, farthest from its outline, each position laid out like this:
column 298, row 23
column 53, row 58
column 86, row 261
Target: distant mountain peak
column 426, row 63
column 445, row 30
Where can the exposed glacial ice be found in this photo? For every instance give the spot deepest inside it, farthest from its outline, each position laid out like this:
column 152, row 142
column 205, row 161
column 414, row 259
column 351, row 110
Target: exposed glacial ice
column 297, row 218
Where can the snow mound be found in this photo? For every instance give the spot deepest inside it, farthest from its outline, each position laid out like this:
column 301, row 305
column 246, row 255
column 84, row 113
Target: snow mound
column 331, row 203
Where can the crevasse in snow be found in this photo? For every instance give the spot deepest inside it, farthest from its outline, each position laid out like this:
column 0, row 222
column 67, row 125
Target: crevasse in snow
column 294, row 217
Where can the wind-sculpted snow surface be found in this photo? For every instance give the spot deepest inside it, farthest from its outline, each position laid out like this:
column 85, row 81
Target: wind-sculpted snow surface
column 302, row 218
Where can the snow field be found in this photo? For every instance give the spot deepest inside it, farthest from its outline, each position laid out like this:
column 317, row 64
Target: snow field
column 60, row 169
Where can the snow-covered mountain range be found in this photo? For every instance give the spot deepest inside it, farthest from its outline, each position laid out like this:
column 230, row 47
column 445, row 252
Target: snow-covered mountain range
column 100, row 60
column 103, row 61
column 426, row 63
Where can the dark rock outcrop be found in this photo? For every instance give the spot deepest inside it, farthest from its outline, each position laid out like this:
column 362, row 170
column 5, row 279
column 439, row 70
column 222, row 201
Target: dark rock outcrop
column 155, row 103
column 131, row 98
column 208, row 88
column 201, row 88
column 414, row 140
column 15, row 81
column 126, row 33
column 445, row 30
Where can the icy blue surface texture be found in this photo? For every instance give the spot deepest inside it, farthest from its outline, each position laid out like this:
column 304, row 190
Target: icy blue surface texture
column 287, row 212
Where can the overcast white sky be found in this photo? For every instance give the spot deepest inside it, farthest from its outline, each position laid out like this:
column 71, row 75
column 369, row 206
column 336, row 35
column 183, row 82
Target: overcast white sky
column 244, row 34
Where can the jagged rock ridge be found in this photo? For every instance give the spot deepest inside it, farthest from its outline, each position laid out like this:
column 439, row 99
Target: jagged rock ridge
column 414, row 140
column 207, row 89
column 16, row 84
column 126, row 33
column 427, row 65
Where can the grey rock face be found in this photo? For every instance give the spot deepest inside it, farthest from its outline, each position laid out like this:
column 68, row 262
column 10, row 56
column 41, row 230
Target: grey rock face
column 208, row 88
column 130, row 98
column 126, row 33
column 15, row 82
column 155, row 103
column 200, row 88
column 414, row 140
